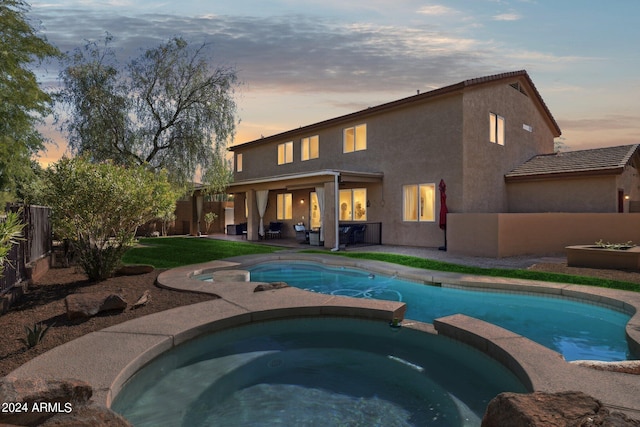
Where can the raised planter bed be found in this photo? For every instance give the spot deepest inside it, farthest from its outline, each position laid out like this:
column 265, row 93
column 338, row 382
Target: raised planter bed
column 597, row 257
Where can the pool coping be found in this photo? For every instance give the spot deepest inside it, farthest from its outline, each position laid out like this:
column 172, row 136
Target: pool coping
column 92, row 358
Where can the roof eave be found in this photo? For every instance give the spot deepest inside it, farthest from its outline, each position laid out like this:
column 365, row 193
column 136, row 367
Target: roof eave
column 569, row 174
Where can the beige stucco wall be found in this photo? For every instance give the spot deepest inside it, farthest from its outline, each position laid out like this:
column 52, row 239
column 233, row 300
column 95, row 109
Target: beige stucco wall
column 501, row 235
column 596, row 193
column 629, row 182
column 487, row 163
column 586, row 194
column 423, row 147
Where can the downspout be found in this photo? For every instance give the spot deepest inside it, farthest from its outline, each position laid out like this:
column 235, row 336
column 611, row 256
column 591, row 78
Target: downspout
column 337, row 212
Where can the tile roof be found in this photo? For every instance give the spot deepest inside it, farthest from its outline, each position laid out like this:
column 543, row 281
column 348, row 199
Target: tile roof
column 593, row 161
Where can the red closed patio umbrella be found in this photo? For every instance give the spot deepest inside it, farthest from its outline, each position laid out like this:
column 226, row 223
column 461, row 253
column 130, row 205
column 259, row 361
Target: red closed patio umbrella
column 443, row 212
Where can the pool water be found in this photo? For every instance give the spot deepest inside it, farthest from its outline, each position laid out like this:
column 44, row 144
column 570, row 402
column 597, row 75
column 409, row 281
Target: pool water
column 579, row 331
column 319, row 371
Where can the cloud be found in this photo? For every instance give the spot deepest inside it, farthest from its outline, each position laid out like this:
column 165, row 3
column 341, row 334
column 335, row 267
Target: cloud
column 436, row 10
column 606, row 123
column 291, row 52
column 507, row 17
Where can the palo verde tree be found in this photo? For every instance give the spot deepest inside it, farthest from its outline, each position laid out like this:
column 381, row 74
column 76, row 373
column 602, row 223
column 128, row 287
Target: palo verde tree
column 167, row 109
column 23, row 104
column 99, row 206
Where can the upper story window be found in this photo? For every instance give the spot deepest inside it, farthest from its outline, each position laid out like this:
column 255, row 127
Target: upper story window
column 496, row 129
column 310, row 148
column 355, row 139
column 239, row 162
column 285, row 153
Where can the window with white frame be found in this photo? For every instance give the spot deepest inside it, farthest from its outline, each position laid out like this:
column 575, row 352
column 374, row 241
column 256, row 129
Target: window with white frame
column 353, row 203
column 496, row 129
column 310, row 148
column 285, row 153
column 354, row 139
column 419, row 202
column 284, row 206
column 239, row 162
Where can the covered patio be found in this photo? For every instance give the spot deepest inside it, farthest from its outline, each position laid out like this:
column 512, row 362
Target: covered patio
column 320, row 201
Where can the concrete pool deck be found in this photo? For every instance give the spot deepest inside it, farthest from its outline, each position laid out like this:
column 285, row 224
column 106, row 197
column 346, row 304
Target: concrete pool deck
column 107, row 358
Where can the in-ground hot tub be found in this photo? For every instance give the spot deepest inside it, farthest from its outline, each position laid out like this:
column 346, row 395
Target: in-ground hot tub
column 316, row 371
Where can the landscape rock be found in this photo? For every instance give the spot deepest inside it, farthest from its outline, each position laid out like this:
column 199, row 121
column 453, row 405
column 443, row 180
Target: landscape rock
column 539, row 409
column 270, row 286
column 53, row 403
column 85, row 305
column 143, row 300
column 56, row 394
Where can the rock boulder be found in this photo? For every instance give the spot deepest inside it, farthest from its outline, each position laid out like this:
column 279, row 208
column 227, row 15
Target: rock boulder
column 565, row 409
column 59, row 403
column 85, row 305
column 270, row 286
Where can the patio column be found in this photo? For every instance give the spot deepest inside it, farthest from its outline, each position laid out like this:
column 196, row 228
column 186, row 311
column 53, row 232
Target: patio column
column 329, row 215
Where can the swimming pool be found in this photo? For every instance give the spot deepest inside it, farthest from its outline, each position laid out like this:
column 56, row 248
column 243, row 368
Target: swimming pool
column 316, row 371
column 576, row 330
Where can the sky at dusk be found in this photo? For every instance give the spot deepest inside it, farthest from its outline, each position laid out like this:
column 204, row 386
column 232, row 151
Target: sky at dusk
column 301, row 62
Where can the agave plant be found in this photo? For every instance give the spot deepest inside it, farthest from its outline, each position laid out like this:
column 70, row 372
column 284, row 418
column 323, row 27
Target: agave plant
column 35, row 335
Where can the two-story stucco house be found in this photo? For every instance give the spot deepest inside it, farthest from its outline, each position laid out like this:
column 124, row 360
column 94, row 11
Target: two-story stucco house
column 382, row 166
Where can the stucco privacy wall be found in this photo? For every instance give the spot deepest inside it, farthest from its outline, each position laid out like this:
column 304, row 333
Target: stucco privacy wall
column 510, row 234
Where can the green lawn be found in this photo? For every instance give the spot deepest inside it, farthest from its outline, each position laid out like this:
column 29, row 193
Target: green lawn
column 170, row 252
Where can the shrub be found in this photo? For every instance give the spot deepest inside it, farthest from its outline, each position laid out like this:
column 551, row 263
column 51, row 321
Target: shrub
column 10, row 233
column 615, row 246
column 99, row 207
column 209, row 218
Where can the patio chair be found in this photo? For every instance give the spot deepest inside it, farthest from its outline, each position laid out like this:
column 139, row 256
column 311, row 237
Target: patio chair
column 358, row 233
column 345, row 234
column 275, row 230
column 352, row 234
